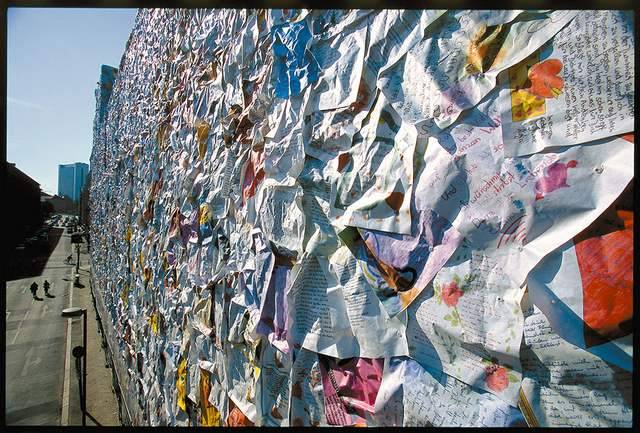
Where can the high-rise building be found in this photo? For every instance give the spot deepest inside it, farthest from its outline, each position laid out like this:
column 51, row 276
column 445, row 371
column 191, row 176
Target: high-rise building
column 71, row 179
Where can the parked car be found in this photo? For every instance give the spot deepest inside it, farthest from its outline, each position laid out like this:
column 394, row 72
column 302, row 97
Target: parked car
column 31, row 242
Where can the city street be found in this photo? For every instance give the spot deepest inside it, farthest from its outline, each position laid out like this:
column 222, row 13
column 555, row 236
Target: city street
column 41, row 382
column 35, row 343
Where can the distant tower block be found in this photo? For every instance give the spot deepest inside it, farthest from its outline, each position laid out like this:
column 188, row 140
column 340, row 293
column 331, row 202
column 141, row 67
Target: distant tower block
column 71, row 179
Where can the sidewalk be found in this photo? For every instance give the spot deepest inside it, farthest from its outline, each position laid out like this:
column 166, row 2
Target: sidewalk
column 102, row 403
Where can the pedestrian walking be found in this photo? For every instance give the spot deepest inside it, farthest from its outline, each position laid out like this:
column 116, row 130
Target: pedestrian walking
column 46, row 286
column 34, row 290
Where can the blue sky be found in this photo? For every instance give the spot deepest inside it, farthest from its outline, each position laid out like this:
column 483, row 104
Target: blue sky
column 53, row 65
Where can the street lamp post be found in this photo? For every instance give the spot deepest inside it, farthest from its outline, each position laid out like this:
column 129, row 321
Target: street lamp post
column 75, row 312
column 78, row 261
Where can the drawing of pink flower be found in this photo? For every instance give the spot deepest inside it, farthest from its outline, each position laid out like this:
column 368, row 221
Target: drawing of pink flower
column 496, row 377
column 555, row 176
column 451, row 293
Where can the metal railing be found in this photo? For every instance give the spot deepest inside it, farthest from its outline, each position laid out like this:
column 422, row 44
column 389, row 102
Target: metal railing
column 117, row 388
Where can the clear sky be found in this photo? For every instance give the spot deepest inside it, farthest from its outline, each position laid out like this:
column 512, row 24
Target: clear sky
column 53, row 65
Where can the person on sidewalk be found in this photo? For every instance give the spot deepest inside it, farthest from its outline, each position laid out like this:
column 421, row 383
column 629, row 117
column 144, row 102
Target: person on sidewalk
column 34, row 290
column 46, row 286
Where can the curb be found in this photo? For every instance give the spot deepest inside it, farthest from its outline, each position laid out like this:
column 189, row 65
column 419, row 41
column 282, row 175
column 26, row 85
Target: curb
column 64, row 418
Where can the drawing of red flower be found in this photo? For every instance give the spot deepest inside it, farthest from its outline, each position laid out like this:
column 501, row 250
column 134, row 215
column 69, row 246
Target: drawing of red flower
column 496, row 377
column 544, row 78
column 451, row 293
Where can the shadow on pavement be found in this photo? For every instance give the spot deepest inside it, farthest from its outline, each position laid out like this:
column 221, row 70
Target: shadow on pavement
column 31, row 262
column 93, row 419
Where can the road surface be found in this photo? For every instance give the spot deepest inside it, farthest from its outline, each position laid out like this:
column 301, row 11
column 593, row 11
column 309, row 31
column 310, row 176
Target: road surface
column 36, row 343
